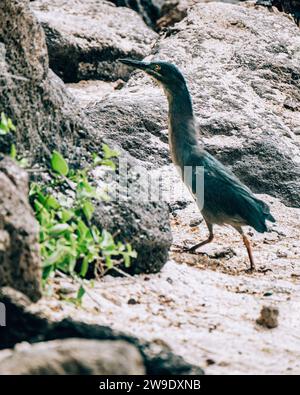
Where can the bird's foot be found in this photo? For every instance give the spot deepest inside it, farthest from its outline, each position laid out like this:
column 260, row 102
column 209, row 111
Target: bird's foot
column 262, row 269
column 189, row 250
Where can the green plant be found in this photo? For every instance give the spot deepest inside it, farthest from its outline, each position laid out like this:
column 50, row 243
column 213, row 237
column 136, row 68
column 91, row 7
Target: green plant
column 64, row 208
column 6, row 125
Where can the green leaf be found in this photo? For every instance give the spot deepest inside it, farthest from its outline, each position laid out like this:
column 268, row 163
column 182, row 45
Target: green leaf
column 10, row 125
column 84, row 267
column 51, row 202
column 47, row 271
column 107, row 240
column 66, row 215
column 88, row 209
column 80, row 294
column 58, row 164
column 23, row 162
column 108, row 163
column 82, row 229
column 13, row 151
column 6, row 125
column 58, row 229
column 108, row 152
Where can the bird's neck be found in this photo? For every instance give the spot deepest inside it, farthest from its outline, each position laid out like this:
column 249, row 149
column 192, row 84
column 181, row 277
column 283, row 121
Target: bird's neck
column 182, row 130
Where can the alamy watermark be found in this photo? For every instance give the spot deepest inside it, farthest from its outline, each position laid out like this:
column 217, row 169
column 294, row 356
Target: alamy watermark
column 138, row 183
column 2, row 314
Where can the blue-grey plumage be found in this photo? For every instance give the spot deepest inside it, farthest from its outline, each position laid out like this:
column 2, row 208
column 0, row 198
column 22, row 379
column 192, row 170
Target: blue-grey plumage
column 226, row 200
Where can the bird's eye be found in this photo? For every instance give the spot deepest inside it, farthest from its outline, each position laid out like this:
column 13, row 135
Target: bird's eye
column 157, row 68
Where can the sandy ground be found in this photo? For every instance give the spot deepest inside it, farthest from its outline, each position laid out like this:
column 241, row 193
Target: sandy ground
column 205, row 307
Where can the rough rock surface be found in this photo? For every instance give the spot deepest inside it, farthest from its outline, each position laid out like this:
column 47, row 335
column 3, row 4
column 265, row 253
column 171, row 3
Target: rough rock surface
column 73, row 356
column 289, row 6
column 150, row 10
column 46, row 117
column 24, row 323
column 20, row 265
column 244, row 80
column 268, row 317
column 135, row 120
column 85, row 38
column 145, row 225
column 173, row 11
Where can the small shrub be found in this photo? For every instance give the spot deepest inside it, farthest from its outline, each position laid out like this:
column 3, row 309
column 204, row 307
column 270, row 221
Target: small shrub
column 64, row 209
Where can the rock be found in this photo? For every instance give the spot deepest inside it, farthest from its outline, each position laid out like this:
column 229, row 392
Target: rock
column 194, row 222
column 74, row 356
column 135, row 120
column 238, row 89
column 145, row 225
column 20, row 265
column 173, row 11
column 31, row 94
column 289, row 6
column 150, row 10
column 84, row 39
column 226, row 253
column 268, row 317
column 26, row 324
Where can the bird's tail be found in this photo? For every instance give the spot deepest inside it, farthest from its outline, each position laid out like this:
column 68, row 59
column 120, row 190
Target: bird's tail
column 259, row 213
column 266, row 211
column 270, row 217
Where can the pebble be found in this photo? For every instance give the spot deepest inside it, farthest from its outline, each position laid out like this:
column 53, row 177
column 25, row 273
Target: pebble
column 268, row 317
column 195, row 222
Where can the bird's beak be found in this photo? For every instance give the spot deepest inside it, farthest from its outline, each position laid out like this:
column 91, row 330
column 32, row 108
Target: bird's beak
column 135, row 63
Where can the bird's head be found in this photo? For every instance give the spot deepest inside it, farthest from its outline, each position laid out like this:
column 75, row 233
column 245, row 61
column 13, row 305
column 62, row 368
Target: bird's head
column 163, row 72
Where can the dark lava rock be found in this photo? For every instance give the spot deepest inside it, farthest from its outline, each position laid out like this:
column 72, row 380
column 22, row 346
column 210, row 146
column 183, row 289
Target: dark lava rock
column 46, row 117
column 20, row 264
column 145, row 225
column 150, row 10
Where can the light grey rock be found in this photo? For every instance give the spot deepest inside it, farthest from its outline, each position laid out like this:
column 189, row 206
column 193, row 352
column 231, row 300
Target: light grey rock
column 73, row 356
column 85, row 38
column 20, row 265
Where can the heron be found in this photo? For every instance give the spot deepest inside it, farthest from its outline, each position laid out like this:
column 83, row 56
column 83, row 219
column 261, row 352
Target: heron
column 226, row 200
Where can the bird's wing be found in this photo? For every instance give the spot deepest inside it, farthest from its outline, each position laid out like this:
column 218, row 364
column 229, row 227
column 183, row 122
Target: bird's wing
column 224, row 193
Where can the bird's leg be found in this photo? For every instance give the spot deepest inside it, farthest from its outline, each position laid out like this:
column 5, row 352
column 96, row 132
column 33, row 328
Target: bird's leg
column 209, row 240
column 249, row 249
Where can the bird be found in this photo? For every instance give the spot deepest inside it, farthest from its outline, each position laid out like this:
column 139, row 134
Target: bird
column 223, row 199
